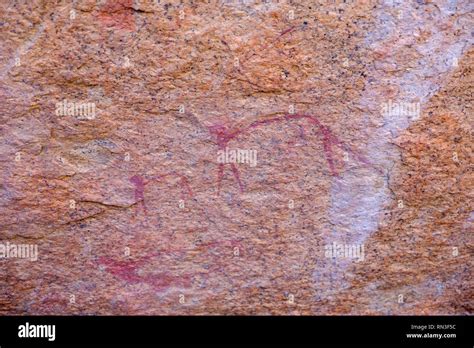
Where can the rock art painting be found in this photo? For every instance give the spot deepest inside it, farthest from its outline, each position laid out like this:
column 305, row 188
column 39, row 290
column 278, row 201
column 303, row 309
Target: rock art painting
column 236, row 157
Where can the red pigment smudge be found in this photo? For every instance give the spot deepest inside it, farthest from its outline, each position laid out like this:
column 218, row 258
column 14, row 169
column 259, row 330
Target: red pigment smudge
column 128, row 270
column 118, row 14
column 223, row 136
column 266, row 47
column 54, row 301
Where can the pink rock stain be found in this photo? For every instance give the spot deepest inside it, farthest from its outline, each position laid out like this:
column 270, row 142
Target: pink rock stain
column 223, row 136
column 266, row 47
column 118, row 14
column 128, row 271
column 140, row 183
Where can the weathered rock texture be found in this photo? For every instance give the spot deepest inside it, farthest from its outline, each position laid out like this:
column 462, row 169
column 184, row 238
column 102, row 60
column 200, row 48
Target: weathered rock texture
column 124, row 195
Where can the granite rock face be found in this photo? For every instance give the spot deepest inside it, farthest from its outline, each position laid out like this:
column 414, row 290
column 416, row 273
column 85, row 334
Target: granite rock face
column 236, row 157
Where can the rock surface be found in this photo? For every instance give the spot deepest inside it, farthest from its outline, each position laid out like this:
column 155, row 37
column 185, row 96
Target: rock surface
column 236, row 157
